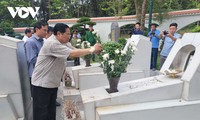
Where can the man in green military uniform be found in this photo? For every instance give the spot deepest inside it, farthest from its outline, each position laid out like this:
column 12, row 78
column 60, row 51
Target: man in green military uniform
column 91, row 38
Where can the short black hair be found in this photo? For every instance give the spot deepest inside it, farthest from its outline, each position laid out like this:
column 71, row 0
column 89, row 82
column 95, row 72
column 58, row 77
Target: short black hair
column 155, row 24
column 138, row 23
column 50, row 29
column 173, row 24
column 61, row 27
column 39, row 25
column 28, row 30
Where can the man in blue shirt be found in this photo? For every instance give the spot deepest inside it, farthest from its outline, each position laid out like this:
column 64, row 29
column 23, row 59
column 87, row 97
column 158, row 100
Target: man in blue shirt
column 137, row 30
column 34, row 44
column 154, row 38
column 169, row 40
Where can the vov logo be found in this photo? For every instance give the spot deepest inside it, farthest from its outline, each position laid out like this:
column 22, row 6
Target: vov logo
column 20, row 10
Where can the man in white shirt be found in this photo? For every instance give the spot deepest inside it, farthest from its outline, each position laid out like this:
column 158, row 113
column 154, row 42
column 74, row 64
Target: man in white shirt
column 49, row 70
column 27, row 35
column 49, row 33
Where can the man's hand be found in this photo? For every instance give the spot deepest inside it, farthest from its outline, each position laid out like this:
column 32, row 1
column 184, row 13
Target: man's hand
column 161, row 33
column 169, row 35
column 97, row 48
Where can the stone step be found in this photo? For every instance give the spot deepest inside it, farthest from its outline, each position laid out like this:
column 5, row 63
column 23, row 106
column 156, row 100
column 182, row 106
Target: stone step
column 74, row 95
column 137, row 91
column 7, row 111
column 71, row 93
column 158, row 110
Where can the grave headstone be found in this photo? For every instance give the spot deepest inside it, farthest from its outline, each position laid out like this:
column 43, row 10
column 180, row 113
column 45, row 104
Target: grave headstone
column 15, row 97
column 115, row 31
column 86, row 78
column 160, row 97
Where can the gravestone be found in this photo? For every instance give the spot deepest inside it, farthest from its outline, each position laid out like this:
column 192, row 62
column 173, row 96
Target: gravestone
column 115, row 31
column 15, row 97
column 160, row 97
column 91, row 77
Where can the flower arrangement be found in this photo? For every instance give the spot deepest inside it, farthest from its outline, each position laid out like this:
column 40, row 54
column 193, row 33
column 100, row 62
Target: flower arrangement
column 85, row 44
column 115, row 58
column 78, row 43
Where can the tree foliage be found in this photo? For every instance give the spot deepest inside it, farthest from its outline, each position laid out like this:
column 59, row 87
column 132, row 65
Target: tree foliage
column 81, row 25
column 7, row 22
column 60, row 9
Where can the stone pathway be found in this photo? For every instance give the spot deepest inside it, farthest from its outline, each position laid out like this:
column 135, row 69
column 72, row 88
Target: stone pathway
column 61, row 99
column 59, row 109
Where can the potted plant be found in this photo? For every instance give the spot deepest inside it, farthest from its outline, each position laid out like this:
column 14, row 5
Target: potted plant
column 115, row 60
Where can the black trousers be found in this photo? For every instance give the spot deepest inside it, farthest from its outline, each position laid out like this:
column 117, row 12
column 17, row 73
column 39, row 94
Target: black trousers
column 31, row 87
column 44, row 103
column 154, row 54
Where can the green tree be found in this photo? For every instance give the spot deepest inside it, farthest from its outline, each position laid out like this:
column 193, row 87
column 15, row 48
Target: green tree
column 7, row 22
column 81, row 25
column 141, row 8
column 116, row 7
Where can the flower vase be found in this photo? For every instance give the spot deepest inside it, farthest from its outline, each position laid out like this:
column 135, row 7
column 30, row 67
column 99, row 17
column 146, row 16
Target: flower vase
column 113, row 83
column 87, row 62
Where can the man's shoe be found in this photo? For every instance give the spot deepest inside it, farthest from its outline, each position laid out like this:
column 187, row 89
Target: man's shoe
column 57, row 103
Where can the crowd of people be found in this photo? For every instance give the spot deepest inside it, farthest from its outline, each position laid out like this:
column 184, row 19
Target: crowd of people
column 169, row 38
column 47, row 48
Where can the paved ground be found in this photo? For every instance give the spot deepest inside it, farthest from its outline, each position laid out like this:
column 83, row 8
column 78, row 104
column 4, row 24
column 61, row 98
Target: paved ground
column 60, row 99
column 59, row 110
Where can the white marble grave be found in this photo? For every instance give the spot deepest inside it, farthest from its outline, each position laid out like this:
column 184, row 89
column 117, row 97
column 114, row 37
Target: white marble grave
column 91, row 77
column 15, row 97
column 154, row 98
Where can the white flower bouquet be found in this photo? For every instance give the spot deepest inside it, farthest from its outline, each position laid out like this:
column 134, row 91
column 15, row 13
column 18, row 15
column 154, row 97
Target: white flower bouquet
column 78, row 43
column 115, row 58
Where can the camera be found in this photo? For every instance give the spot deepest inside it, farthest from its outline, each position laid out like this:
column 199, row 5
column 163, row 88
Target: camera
column 152, row 33
column 165, row 32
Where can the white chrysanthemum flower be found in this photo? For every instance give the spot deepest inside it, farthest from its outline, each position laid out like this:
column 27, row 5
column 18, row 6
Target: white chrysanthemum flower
column 77, row 44
column 111, row 62
column 83, row 44
column 105, row 56
column 112, row 67
column 117, row 51
column 79, row 40
column 94, row 32
column 102, row 64
column 88, row 44
column 123, row 52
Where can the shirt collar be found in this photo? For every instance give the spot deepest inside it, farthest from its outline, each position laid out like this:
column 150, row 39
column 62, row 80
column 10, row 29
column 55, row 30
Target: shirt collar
column 36, row 37
column 137, row 29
